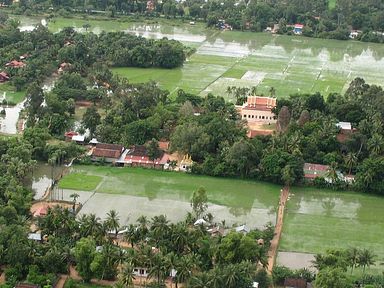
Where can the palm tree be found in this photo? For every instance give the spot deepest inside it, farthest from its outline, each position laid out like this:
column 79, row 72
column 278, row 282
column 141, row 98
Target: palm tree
column 158, row 269
column 332, row 172
column 376, row 144
column 353, row 257
column 126, row 277
column 74, row 196
column 184, row 268
column 350, row 161
column 365, row 259
column 159, row 228
column 112, row 221
column 272, row 91
column 172, row 260
column 202, row 280
column 143, row 227
column 131, row 235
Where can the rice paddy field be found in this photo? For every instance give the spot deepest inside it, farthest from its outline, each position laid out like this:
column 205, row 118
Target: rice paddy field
column 290, row 64
column 317, row 220
column 134, row 192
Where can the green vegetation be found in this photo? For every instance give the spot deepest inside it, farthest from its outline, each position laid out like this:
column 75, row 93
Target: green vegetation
column 331, row 4
column 11, row 95
column 171, row 185
column 80, row 181
column 317, row 220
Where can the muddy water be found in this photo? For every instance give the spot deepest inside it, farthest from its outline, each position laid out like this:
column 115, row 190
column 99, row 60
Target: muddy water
column 42, row 178
column 8, row 122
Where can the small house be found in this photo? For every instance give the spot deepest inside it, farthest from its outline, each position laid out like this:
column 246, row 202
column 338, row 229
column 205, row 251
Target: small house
column 295, row 283
column 93, row 142
column 345, row 131
column 137, row 156
column 69, row 135
column 15, row 64
column 108, row 152
column 64, row 67
column 311, row 170
column 298, row 29
column 79, row 139
column 141, row 272
column 4, row 77
column 41, row 211
column 242, row 229
column 35, row 237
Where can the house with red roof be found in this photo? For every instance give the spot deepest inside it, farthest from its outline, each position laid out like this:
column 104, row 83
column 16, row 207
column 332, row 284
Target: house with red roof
column 4, row 77
column 137, row 156
column 258, row 109
column 311, row 170
column 298, row 29
column 107, row 152
column 15, row 64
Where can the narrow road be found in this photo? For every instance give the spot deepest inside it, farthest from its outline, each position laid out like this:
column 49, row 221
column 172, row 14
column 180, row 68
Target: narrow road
column 278, row 228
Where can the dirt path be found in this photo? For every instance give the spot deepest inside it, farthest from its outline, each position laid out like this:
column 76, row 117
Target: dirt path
column 278, row 228
column 61, row 282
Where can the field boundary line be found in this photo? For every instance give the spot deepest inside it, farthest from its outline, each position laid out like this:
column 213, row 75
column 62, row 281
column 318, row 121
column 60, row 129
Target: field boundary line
column 272, row 252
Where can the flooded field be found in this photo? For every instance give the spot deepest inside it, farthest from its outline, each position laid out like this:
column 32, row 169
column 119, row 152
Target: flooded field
column 41, row 178
column 317, row 220
column 289, row 64
column 136, row 192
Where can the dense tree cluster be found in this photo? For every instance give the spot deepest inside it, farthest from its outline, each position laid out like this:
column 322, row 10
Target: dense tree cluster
column 43, row 52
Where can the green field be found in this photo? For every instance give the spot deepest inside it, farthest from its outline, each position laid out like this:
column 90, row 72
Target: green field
column 80, row 181
column 317, row 220
column 135, row 191
column 10, row 93
column 290, row 64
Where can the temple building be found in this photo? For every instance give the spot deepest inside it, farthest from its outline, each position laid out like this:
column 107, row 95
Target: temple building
column 258, row 109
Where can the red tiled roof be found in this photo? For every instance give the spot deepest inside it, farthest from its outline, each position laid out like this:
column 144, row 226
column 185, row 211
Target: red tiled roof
column 107, row 153
column 70, row 134
column 259, row 103
column 254, row 133
column 299, row 25
column 312, row 171
column 164, row 145
column 15, row 63
column 116, row 147
column 295, row 283
column 41, row 211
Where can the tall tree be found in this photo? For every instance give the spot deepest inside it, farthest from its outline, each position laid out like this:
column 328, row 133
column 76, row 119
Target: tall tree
column 199, row 202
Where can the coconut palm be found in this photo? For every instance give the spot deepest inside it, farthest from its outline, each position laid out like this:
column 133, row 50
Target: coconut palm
column 353, row 257
column 365, row 259
column 272, row 91
column 332, row 172
column 376, row 144
column 159, row 228
column 202, row 280
column 74, row 196
column 131, row 235
column 126, row 277
column 112, row 221
column 350, row 161
column 143, row 226
column 158, row 268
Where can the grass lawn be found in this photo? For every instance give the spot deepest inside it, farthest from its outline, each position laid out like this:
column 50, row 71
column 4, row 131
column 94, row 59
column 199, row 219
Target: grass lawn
column 331, row 4
column 80, row 181
column 317, row 220
column 10, row 93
